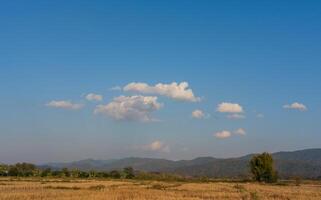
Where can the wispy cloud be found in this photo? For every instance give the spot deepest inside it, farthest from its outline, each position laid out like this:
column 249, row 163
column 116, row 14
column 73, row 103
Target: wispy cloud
column 180, row 92
column 240, row 131
column 226, row 134
column 236, row 116
column 64, row 105
column 116, row 88
column 94, row 97
column 158, row 146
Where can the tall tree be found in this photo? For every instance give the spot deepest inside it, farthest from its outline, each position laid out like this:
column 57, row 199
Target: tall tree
column 128, row 172
column 262, row 168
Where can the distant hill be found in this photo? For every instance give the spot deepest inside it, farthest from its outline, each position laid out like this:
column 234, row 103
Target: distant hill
column 303, row 163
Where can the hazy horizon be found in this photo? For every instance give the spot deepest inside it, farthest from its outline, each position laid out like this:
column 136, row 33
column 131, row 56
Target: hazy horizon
column 165, row 158
column 161, row 79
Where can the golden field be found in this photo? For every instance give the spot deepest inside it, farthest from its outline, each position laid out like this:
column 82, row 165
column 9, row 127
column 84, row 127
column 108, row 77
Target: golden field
column 67, row 189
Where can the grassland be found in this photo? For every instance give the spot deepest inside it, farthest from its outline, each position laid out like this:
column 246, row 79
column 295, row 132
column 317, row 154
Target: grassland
column 67, row 189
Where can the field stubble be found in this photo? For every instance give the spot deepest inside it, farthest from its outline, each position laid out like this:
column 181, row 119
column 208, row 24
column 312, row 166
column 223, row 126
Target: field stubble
column 61, row 189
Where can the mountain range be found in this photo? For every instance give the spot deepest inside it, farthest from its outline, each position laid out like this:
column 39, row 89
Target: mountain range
column 303, row 163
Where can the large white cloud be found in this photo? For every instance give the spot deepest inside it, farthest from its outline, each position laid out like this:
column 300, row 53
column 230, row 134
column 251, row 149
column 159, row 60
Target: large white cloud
column 229, row 108
column 174, row 90
column 198, row 114
column 157, row 146
column 223, row 134
column 296, row 106
column 94, row 97
column 64, row 105
column 133, row 108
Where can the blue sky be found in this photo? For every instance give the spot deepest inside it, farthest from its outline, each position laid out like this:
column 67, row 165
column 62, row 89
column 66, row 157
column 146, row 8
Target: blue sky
column 257, row 56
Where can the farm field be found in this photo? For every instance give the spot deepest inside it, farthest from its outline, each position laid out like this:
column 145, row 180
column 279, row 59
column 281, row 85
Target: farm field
column 62, row 189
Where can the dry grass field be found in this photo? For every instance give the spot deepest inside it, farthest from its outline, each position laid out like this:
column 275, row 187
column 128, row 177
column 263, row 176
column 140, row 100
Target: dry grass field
column 55, row 189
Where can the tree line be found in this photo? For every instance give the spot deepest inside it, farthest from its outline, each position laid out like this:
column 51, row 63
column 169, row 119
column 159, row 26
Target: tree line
column 261, row 168
column 31, row 170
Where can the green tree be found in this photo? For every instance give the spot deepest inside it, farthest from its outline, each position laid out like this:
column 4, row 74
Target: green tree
column 128, row 173
column 56, row 173
column 115, row 174
column 262, row 168
column 65, row 172
column 13, row 171
column 83, row 174
column 4, row 170
column 22, row 169
column 92, row 174
column 75, row 173
column 46, row 172
column 102, row 174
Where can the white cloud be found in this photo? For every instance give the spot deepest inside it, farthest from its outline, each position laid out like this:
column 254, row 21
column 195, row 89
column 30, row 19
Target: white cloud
column 132, row 108
column 260, row 115
column 236, row 116
column 229, row 108
column 174, row 90
column 64, row 105
column 240, row 131
column 94, row 97
column 158, row 146
column 198, row 114
column 296, row 106
column 223, row 134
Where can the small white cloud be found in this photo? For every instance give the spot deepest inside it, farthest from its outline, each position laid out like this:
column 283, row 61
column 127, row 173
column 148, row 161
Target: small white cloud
column 236, row 116
column 158, row 146
column 198, row 114
column 116, row 88
column 94, row 97
column 223, row 134
column 180, row 92
column 229, row 108
column 296, row 106
column 240, row 131
column 260, row 115
column 132, row 108
column 65, row 105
